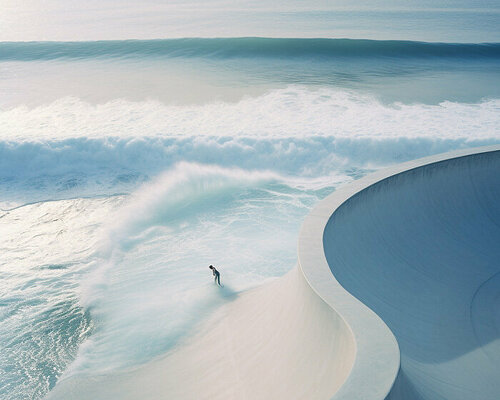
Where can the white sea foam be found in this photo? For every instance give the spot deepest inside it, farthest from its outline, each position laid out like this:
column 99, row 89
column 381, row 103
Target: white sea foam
column 289, row 112
column 72, row 148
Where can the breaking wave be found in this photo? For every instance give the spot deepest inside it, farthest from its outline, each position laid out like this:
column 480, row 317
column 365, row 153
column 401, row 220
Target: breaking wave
column 73, row 148
column 247, row 47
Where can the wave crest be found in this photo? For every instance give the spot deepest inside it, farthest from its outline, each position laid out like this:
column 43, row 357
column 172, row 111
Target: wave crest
column 246, row 47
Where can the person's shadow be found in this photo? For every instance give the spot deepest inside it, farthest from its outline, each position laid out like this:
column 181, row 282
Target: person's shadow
column 227, row 292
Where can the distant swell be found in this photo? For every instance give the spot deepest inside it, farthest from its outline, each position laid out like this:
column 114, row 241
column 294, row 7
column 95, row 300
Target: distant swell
column 221, row 48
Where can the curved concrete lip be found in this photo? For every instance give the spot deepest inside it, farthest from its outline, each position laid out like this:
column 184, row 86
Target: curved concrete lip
column 377, row 353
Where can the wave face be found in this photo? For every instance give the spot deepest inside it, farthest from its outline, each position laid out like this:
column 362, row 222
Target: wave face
column 221, row 48
column 126, row 168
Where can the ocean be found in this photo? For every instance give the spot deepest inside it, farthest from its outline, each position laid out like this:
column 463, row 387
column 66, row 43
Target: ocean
column 129, row 166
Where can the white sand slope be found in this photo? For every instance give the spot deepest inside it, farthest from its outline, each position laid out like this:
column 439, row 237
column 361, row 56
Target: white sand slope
column 278, row 341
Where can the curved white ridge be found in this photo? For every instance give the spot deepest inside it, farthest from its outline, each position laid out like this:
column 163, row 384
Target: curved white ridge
column 418, row 243
column 277, row 341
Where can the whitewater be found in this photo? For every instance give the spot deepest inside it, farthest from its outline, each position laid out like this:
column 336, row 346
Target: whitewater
column 127, row 167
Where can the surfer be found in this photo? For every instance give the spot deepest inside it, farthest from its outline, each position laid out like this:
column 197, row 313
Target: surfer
column 216, row 274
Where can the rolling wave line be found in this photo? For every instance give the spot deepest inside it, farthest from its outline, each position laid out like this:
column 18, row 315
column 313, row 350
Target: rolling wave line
column 245, row 47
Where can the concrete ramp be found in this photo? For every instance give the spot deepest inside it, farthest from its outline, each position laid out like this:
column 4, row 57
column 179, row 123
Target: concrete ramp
column 420, row 245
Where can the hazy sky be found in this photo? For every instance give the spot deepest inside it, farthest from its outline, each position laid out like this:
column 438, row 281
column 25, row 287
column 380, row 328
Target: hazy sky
column 432, row 20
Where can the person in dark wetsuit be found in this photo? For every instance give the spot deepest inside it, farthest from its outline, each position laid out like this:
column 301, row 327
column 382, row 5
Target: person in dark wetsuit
column 216, row 274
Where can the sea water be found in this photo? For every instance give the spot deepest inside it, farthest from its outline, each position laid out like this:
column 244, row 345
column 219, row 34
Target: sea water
column 127, row 167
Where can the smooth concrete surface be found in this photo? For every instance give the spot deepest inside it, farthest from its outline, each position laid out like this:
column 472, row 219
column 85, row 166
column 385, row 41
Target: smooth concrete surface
column 278, row 341
column 419, row 244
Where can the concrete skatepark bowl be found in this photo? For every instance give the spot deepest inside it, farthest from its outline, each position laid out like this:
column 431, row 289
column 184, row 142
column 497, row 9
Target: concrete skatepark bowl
column 419, row 244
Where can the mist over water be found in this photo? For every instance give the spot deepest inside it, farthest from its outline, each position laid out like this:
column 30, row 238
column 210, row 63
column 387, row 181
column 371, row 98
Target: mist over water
column 126, row 168
column 433, row 21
